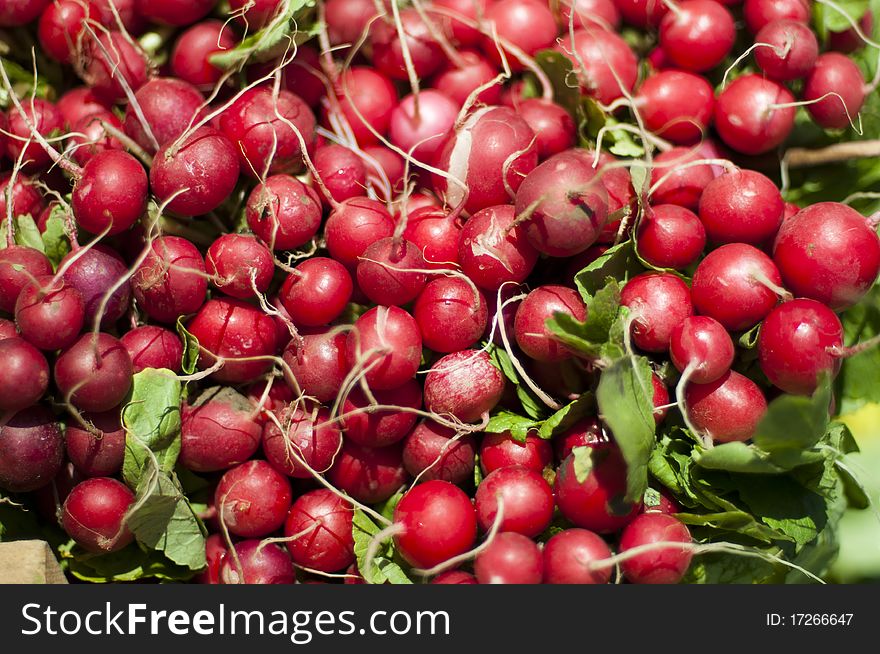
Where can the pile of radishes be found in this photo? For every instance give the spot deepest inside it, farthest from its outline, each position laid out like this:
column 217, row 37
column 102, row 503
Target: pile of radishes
column 329, row 243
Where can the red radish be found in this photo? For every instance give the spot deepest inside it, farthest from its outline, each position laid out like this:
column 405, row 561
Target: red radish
column 17, row 13
column 728, row 409
column 231, row 329
column 491, row 153
column 18, row 265
column 253, row 499
column 835, row 89
column 380, row 428
column 171, row 280
column 197, row 175
column 510, row 558
column 454, row 576
column 191, row 56
column 759, row 13
column 526, row 496
column 218, row 431
column 501, row 450
column 751, row 115
column 438, row 523
column 605, row 65
column 789, row 211
column 353, row 226
column 436, row 233
column 257, row 562
column 240, row 265
column 302, row 76
column 169, row 106
column 665, row 503
column 97, row 453
column 369, row 475
column 255, row 14
column 588, row 432
column 828, row 252
column 90, row 136
column 602, row 12
column 463, row 384
column 309, row 436
column 31, row 449
column 421, row 134
column 676, row 105
column 174, row 12
column 347, row 19
column 343, row 172
column 663, row 565
column 702, row 344
column 474, row 10
column 798, row 341
column 698, row 36
column 387, row 342
column 430, row 451
column 111, row 58
column 153, row 347
column 597, row 502
column 111, row 194
column 670, row 236
column 794, row 50
column 660, row 398
column 284, row 212
column 95, row 373
column 657, row 302
column 94, row 515
column 425, row 53
column 567, row 558
column 317, row 293
column 526, row 24
column 366, row 100
column 93, row 273
column 41, row 115
column 7, row 329
column 532, row 334
column 49, row 313
column 25, row 375
column 278, row 398
column 849, row 40
column 329, row 546
column 642, row 13
column 553, row 126
column 389, row 162
column 492, row 250
column 390, row 271
column 457, row 82
column 79, row 103
column 563, row 203
column 741, row 206
column 127, row 11
column 450, row 315
column 215, row 552
column 731, row 286
column 677, row 179
column 25, row 197
column 60, row 27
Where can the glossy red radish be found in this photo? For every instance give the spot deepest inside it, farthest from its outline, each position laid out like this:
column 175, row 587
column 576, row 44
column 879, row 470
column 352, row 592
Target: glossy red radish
column 510, row 558
column 171, row 281
column 753, row 115
column 727, row 409
column 792, row 53
column 493, row 250
column 173, row 12
column 463, row 384
column 425, row 53
column 676, row 105
column 502, row 449
column 457, row 82
column 835, row 90
column 94, row 272
column 50, row 313
column 168, row 106
column 741, row 206
column 657, row 303
column 759, row 13
column 25, row 377
column 701, row 344
column 218, row 431
column 94, row 515
column 433, row 451
column 526, row 24
column 391, row 271
column 678, row 176
column 111, row 194
column 663, row 565
column 31, row 449
column 257, row 562
column 329, row 546
column 526, row 496
column 99, row 450
column 670, row 236
column 369, row 474
column 353, row 226
column 387, row 342
column 422, row 133
column 530, row 329
column 450, row 314
column 366, row 100
column 436, row 233
column 253, row 499
column 568, row 555
column 191, row 56
column 605, row 65
column 95, row 373
column 698, row 35
column 284, row 212
column 150, row 346
column 240, row 265
column 307, row 436
column 318, row 363
column 109, row 59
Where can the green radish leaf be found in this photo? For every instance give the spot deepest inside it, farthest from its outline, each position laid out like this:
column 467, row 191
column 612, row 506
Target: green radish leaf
column 618, row 262
column 857, row 384
column 532, row 406
column 25, row 231
column 567, row 416
column 559, row 71
column 794, row 422
column 583, row 462
column 386, row 566
column 190, row 360
column 518, row 426
column 830, row 19
column 737, row 457
column 132, row 563
column 55, row 241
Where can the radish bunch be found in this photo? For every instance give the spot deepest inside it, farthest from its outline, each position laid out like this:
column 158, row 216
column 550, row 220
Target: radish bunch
column 439, row 288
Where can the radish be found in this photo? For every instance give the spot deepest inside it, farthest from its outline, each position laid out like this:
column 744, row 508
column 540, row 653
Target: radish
column 753, row 115
column 127, row 11
column 463, row 384
column 94, row 515
column 318, row 364
column 307, row 436
column 596, row 503
column 737, row 285
column 677, row 178
column 454, row 576
column 530, row 328
column 526, row 496
column 99, row 453
column 343, row 172
column 563, row 205
column 169, row 106
column 602, row 12
column 698, row 36
column 391, row 271
column 429, row 452
column 191, row 56
column 387, row 343
column 347, row 19
column 25, row 198
column 369, row 475
column 26, row 375
column 701, row 346
column 605, row 65
column 93, row 272
column 793, row 53
column 174, row 12
column 510, row 558
column 253, row 499
column 380, row 428
column 848, row 40
column 268, row 402
column 284, row 212
column 389, row 162
column 217, row 431
column 31, row 449
column 463, row 33
column 670, row 236
column 40, row 115
column 81, row 102
column 59, row 28
column 328, row 546
column 835, row 90
column 425, row 53
column 197, row 175
column 554, row 128
column 111, row 63
column 741, row 206
column 50, row 313
column 240, row 265
column 657, row 303
column 567, row 558
column 17, row 13
column 587, row 432
column 526, row 24
column 7, row 329
column 95, row 373
column 727, row 409
column 230, row 329
column 90, row 136
column 642, row 13
column 491, row 153
column 257, row 562
column 255, row 14
column 170, row 282
column 458, row 81
column 153, row 347
column 798, row 341
column 317, row 292
column 215, row 552
column 353, row 226
column 18, row 265
column 661, row 565
column 366, row 100
column 759, row 13
column 437, row 522
column 493, row 250
column 420, row 133
column 111, row 194
column 450, row 314
column 828, row 252
column 502, row 450
column 676, row 104
column 436, row 233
